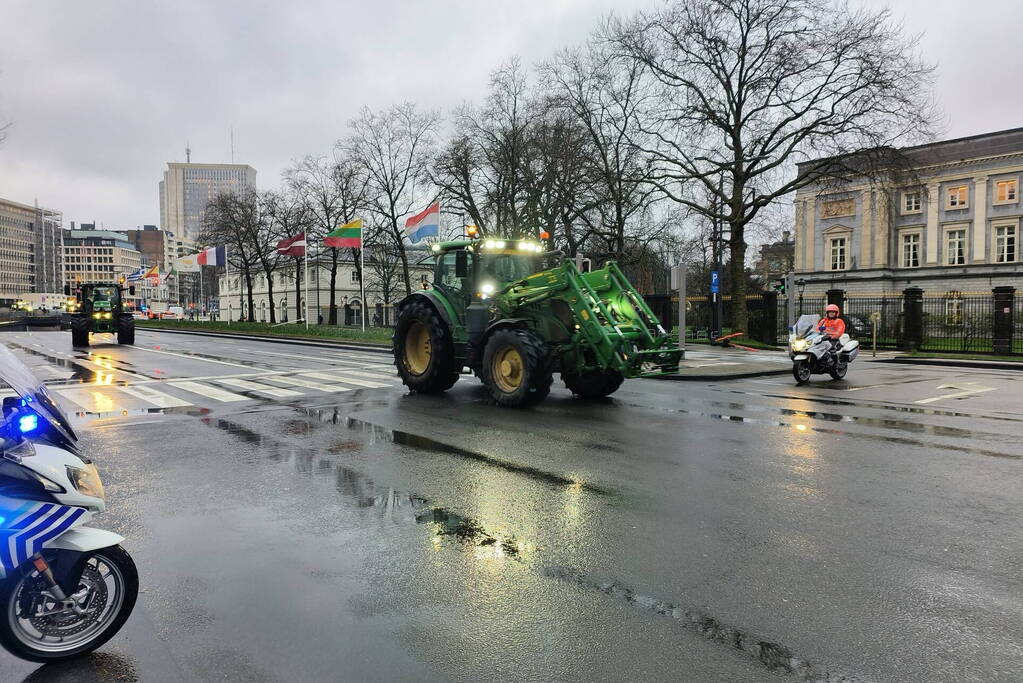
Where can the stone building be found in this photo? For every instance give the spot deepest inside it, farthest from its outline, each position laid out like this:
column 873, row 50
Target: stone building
column 953, row 227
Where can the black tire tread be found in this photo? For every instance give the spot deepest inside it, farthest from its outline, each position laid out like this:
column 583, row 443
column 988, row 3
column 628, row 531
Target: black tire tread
column 442, row 374
column 593, row 384
column 79, row 332
column 126, row 331
column 538, row 368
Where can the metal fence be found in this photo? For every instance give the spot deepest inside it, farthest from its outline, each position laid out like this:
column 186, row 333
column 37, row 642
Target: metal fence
column 957, row 322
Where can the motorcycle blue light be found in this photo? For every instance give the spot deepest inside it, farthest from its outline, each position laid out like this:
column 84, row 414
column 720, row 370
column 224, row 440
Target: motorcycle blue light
column 28, row 423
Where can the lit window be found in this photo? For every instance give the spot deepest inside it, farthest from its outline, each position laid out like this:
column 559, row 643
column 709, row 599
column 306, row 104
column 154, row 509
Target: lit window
column 911, row 250
column 1005, row 244
column 838, row 252
column 955, row 247
column 911, row 202
column 1006, row 191
column 957, row 197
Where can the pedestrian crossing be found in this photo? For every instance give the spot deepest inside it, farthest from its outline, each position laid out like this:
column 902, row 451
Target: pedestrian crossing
column 102, row 399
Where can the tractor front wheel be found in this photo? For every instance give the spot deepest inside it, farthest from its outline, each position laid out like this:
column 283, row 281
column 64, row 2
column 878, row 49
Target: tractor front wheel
column 126, row 330
column 594, row 383
column 423, row 351
column 516, row 367
column 79, row 332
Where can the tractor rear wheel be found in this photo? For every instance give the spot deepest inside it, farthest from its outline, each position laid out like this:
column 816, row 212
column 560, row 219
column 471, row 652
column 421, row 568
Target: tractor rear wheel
column 593, row 384
column 79, row 332
column 423, row 351
column 516, row 367
column 126, row 330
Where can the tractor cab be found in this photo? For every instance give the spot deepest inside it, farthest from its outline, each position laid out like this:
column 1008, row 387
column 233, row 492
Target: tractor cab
column 475, row 269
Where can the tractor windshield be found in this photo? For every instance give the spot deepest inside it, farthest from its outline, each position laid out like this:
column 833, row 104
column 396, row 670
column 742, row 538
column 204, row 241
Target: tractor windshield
column 105, row 298
column 502, row 268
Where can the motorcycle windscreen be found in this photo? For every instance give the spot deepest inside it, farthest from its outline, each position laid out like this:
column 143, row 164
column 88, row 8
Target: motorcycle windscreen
column 29, row 387
column 26, row 527
column 805, row 325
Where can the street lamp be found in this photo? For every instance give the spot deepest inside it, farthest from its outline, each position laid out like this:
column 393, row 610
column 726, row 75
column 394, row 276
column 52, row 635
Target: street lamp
column 800, row 285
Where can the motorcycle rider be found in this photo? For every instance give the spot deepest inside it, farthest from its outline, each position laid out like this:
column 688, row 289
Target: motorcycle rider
column 831, row 325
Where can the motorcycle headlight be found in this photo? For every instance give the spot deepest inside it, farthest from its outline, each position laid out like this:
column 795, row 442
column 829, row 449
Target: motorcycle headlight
column 86, row 480
column 799, row 344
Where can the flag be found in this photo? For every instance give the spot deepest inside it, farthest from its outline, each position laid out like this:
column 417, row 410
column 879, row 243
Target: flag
column 214, row 256
column 168, row 275
column 425, row 224
column 153, row 271
column 188, row 264
column 347, row 235
column 293, row 246
column 136, row 275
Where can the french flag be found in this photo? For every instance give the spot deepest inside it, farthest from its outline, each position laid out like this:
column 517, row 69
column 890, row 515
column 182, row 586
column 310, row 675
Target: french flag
column 424, row 224
column 214, row 256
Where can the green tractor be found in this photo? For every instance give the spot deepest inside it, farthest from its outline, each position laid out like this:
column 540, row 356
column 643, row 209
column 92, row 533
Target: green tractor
column 495, row 308
column 100, row 308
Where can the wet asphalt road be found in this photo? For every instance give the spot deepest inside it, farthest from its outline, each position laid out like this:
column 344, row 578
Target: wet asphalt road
column 296, row 517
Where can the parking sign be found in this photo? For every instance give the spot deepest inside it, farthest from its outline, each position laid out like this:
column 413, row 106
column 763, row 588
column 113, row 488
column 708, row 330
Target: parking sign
column 715, row 282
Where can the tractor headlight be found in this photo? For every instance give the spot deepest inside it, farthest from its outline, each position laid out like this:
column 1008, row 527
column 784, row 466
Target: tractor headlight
column 500, row 244
column 86, row 480
column 97, row 316
column 486, row 289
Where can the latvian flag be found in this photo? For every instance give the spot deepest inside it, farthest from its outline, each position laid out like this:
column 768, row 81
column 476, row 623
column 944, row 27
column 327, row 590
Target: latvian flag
column 214, row 256
column 293, row 246
column 347, row 235
column 425, row 224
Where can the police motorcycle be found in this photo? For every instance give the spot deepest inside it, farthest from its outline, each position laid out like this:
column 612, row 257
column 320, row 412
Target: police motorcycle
column 65, row 588
column 813, row 353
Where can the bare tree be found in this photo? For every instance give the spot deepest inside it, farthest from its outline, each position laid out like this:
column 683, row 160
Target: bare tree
column 393, row 148
column 233, row 220
column 334, row 191
column 747, row 88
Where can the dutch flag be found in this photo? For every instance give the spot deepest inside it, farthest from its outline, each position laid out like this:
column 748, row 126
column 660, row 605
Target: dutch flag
column 424, row 224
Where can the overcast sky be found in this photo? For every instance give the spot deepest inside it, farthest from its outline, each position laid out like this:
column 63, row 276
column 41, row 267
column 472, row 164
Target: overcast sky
column 101, row 94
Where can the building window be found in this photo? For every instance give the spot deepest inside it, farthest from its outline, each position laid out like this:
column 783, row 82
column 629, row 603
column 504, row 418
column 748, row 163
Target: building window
column 956, row 197
column 955, row 247
column 911, row 250
column 355, row 276
column 1005, row 244
column 1006, row 191
column 838, row 249
column 911, row 202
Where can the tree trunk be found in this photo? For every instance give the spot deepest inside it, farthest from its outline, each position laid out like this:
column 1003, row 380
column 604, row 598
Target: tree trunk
column 404, row 257
column 737, row 274
column 332, row 315
column 252, row 303
column 270, row 295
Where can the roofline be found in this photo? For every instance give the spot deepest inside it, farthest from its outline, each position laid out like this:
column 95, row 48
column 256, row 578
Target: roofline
column 28, row 206
column 193, row 164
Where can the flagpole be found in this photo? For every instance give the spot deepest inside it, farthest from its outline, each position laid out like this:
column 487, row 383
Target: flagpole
column 362, row 279
column 305, row 307
column 227, row 286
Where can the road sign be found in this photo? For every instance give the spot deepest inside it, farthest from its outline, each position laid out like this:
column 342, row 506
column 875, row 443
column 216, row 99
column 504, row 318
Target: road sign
column 715, row 282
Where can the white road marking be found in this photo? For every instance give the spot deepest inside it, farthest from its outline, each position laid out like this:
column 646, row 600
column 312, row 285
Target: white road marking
column 338, row 377
column 157, row 398
column 382, row 376
column 262, row 388
column 329, row 357
column 189, row 357
column 309, row 384
column 209, row 392
column 968, row 389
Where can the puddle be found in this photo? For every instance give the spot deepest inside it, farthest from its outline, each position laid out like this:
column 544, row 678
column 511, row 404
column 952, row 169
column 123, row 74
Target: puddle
column 427, row 444
column 84, row 416
column 361, row 489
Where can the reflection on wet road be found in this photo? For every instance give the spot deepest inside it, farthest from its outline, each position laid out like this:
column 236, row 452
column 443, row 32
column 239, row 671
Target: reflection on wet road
column 292, row 523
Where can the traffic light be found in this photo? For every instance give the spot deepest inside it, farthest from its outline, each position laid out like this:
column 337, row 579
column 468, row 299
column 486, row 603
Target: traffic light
column 778, row 285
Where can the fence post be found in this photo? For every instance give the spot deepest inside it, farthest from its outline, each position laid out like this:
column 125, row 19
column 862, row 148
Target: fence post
column 768, row 332
column 912, row 318
column 1001, row 331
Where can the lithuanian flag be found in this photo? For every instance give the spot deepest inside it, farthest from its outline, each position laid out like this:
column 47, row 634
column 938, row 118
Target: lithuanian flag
column 347, row 235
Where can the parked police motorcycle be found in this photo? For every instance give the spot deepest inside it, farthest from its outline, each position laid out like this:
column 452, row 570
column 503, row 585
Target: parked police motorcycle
column 813, row 353
column 65, row 588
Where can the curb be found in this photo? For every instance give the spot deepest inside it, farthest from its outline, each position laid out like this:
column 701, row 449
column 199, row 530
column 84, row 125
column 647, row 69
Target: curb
column 952, row 363
column 303, row 341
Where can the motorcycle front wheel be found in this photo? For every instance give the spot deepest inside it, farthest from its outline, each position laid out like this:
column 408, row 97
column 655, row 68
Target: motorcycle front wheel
column 801, row 371
column 38, row 628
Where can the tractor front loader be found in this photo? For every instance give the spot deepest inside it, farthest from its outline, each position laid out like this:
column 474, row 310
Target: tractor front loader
column 100, row 308
column 494, row 309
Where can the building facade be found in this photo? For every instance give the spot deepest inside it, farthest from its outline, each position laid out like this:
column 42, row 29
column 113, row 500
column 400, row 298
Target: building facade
column 187, row 188
column 98, row 256
column 233, row 295
column 955, row 227
column 31, row 258
column 777, row 259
